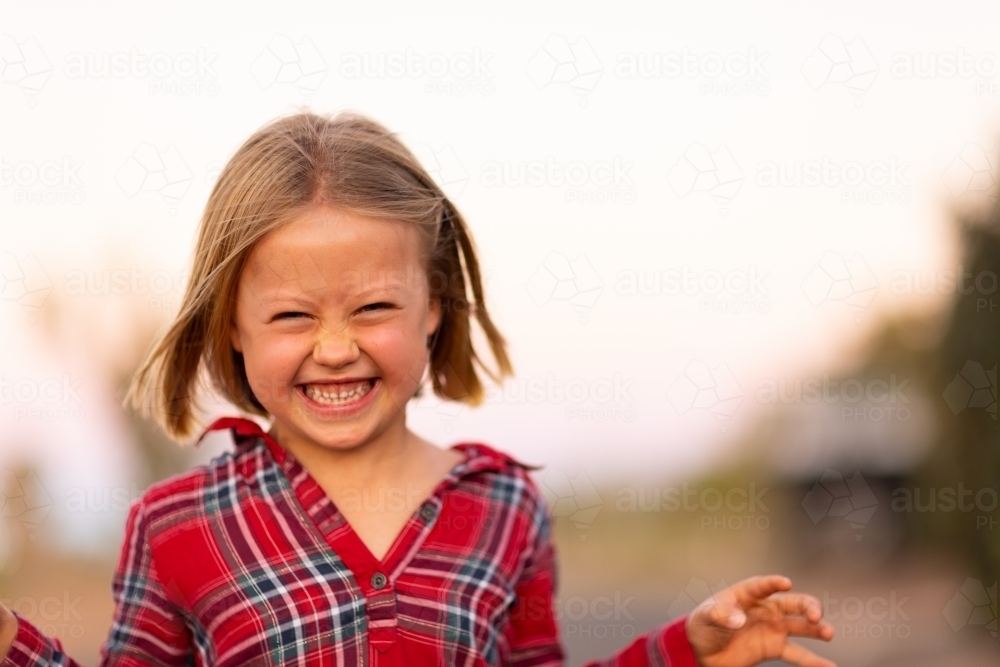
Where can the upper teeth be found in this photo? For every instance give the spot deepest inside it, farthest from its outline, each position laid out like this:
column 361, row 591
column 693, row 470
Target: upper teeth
column 331, row 395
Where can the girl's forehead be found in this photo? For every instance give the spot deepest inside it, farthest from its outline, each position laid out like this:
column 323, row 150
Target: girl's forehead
column 330, row 239
column 330, row 249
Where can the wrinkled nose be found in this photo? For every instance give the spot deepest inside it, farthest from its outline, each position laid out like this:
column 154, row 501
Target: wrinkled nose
column 335, row 348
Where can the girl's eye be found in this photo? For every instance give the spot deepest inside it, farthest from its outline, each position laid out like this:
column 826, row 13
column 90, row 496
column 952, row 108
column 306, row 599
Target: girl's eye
column 289, row 315
column 374, row 307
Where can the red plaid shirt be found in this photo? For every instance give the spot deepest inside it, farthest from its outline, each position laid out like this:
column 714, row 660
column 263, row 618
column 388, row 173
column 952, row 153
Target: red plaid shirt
column 246, row 561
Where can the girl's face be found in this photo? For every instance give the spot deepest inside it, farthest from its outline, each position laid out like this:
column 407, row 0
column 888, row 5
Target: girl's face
column 333, row 313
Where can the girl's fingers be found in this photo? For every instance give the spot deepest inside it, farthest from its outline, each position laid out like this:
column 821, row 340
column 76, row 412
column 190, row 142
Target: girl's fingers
column 796, row 625
column 749, row 591
column 725, row 616
column 801, row 604
column 797, row 655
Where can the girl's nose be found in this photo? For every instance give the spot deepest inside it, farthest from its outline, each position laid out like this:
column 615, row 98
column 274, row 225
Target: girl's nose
column 335, row 349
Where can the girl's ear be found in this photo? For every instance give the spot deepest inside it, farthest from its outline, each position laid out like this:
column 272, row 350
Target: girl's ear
column 234, row 337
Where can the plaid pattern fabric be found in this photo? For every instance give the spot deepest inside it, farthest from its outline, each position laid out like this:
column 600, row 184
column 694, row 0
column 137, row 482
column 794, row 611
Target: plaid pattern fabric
column 246, row 561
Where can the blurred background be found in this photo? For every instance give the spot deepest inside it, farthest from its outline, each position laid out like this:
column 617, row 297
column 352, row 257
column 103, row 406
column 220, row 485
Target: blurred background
column 746, row 258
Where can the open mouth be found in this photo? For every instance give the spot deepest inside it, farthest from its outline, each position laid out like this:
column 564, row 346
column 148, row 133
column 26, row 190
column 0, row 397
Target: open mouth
column 338, row 393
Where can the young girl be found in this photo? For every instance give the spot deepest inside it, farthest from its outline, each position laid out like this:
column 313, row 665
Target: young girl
column 330, row 272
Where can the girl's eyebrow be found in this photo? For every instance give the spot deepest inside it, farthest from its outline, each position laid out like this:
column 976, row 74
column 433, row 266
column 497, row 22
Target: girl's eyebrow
column 389, row 289
column 379, row 289
column 287, row 298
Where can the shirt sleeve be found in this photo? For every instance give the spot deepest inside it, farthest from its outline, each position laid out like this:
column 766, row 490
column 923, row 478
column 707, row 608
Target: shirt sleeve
column 533, row 634
column 147, row 629
column 32, row 647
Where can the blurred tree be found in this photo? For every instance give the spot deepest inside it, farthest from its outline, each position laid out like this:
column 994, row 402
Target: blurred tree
column 968, row 443
column 952, row 358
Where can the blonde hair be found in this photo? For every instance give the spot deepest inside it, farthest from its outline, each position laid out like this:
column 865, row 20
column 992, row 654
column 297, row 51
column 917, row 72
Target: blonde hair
column 288, row 166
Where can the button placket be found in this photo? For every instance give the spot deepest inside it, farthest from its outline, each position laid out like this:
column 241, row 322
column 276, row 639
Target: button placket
column 382, row 613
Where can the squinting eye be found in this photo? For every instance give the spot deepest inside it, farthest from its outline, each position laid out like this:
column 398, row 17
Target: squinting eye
column 372, row 307
column 288, row 315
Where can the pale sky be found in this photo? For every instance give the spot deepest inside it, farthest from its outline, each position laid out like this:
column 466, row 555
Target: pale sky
column 671, row 167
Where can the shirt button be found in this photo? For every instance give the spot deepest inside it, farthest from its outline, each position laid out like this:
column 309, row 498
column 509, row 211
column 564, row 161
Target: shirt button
column 427, row 512
column 379, row 580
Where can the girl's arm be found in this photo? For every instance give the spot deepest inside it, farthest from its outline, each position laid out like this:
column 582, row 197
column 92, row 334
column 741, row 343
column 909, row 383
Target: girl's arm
column 147, row 628
column 533, row 634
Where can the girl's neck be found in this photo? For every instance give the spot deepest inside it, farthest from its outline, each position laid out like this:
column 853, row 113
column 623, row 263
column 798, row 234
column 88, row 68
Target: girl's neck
column 383, row 458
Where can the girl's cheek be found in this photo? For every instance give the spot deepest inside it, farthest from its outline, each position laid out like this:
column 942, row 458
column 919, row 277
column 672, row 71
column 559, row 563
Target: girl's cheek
column 272, row 364
column 397, row 351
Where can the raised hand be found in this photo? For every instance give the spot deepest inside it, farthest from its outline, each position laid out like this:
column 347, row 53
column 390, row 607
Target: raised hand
column 750, row 622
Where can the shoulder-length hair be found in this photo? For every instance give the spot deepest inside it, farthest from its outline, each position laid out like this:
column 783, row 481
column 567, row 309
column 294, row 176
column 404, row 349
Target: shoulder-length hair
column 291, row 164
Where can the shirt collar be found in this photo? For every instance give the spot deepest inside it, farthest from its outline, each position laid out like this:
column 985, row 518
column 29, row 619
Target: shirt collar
column 481, row 456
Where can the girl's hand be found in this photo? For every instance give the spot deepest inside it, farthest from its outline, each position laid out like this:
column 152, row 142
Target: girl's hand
column 746, row 624
column 8, row 630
